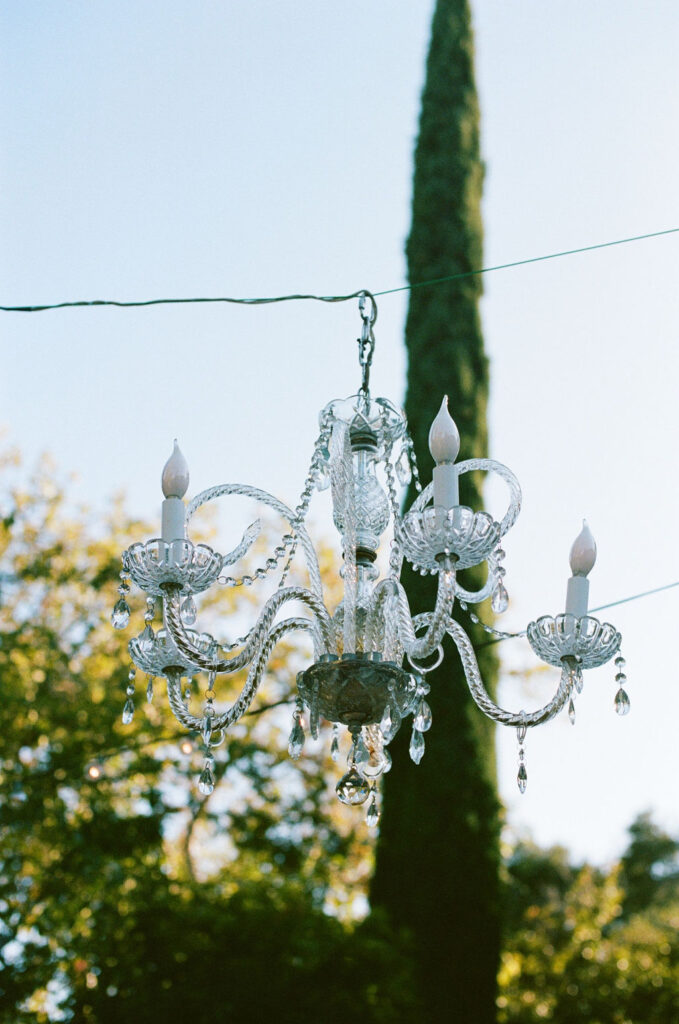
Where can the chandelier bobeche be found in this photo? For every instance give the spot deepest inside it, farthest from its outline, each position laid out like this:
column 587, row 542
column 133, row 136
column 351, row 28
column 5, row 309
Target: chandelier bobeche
column 371, row 655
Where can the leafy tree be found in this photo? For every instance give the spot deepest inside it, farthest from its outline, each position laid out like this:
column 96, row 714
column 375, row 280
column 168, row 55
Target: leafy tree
column 578, row 950
column 437, row 855
column 124, row 893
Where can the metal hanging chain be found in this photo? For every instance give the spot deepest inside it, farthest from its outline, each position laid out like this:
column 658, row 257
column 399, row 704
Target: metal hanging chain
column 366, row 343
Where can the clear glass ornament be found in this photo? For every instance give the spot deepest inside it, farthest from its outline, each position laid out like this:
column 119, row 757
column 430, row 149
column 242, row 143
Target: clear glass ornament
column 189, row 612
column 352, row 788
column 296, row 742
column 423, row 717
column 416, row 748
column 372, row 815
column 622, row 702
column 499, row 602
column 206, row 779
column 120, row 616
column 128, row 711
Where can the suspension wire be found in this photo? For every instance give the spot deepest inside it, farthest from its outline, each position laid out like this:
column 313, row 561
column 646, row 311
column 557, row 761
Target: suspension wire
column 338, row 298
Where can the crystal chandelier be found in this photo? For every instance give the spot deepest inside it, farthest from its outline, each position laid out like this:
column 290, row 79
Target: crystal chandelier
column 371, row 656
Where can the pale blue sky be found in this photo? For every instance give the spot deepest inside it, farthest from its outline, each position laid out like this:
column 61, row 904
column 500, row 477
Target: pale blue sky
column 175, row 148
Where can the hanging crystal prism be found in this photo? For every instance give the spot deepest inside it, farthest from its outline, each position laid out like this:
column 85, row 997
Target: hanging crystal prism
column 423, row 718
column 402, row 467
column 372, row 815
column 571, row 711
column 296, row 742
column 352, row 788
column 128, row 711
column 416, row 749
column 622, row 702
column 206, row 779
column 188, row 610
column 334, row 746
column 120, row 616
column 149, row 690
column 391, row 723
column 499, row 602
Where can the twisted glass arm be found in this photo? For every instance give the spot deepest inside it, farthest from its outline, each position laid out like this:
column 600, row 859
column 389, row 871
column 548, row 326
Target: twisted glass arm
column 486, row 466
column 246, row 696
column 482, row 697
column 437, row 621
column 286, row 513
column 257, row 635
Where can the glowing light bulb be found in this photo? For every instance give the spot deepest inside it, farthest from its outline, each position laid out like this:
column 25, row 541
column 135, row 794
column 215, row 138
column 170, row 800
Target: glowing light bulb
column 175, row 478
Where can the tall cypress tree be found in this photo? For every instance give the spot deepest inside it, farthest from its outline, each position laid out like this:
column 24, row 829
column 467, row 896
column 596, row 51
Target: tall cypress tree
column 437, row 855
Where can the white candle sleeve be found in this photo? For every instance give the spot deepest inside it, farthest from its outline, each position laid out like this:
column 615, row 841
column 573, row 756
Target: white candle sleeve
column 577, row 596
column 173, row 520
column 446, row 487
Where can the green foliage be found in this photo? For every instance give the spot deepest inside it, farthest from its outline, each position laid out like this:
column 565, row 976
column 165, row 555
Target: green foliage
column 588, row 946
column 130, row 896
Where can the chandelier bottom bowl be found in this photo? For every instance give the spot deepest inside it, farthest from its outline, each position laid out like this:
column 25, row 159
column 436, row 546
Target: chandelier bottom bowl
column 355, row 689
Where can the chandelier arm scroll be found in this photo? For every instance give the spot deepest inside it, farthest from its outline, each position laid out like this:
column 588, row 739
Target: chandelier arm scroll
column 286, row 513
column 436, row 621
column 247, row 694
column 486, row 466
column 185, row 646
column 483, row 699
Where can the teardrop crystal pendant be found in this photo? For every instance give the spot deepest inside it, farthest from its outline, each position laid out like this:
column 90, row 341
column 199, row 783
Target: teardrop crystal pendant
column 206, row 728
column 206, row 780
column 422, row 720
column 322, row 476
column 149, row 689
column 188, row 610
column 577, row 678
column 334, row 746
column 352, row 788
column 390, row 724
column 128, row 711
column 372, row 815
column 499, row 602
column 571, row 712
column 120, row 616
column 361, row 754
column 522, row 778
column 402, row 467
column 622, row 703
column 296, row 742
column 416, row 748
column 147, row 637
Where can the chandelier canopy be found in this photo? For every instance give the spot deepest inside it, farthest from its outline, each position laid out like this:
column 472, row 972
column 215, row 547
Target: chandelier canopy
column 371, row 656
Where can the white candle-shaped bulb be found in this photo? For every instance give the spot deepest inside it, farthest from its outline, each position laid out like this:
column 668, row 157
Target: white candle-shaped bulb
column 175, row 478
column 444, row 445
column 444, row 437
column 583, row 552
column 174, row 481
column 582, row 559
